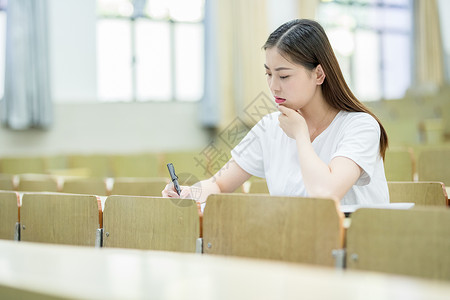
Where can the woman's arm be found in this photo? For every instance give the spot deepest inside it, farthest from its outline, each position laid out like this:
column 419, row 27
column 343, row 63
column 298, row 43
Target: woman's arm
column 321, row 180
column 226, row 180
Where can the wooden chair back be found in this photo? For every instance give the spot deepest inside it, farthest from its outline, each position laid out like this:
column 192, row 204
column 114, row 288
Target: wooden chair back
column 399, row 164
column 418, row 192
column 90, row 186
column 97, row 164
column 258, row 186
column 6, row 182
column 60, row 218
column 37, row 183
column 135, row 165
column 434, row 165
column 9, row 214
column 151, row 223
column 139, row 186
column 22, row 165
column 304, row 230
column 413, row 242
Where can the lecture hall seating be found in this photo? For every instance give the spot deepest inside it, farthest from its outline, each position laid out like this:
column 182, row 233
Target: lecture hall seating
column 6, row 182
column 414, row 242
column 304, row 230
column 399, row 164
column 258, row 186
column 9, row 215
column 434, row 165
column 418, row 192
column 37, row 183
column 22, row 165
column 61, row 219
column 98, row 165
column 153, row 223
column 136, row 165
column 90, row 186
column 139, row 186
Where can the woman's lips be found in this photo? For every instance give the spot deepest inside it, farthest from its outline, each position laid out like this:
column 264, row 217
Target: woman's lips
column 279, row 100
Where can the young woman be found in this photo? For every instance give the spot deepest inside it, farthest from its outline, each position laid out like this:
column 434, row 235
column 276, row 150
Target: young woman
column 323, row 142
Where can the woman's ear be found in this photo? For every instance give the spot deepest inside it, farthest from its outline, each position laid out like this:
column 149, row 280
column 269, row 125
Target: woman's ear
column 320, row 75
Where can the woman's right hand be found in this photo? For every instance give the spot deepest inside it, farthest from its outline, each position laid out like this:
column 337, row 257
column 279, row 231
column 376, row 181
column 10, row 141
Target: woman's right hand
column 170, row 192
column 292, row 123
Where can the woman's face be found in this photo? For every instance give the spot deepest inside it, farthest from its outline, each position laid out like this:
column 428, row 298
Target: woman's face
column 291, row 84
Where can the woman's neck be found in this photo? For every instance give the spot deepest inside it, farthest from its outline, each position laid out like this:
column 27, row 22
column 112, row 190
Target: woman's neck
column 318, row 115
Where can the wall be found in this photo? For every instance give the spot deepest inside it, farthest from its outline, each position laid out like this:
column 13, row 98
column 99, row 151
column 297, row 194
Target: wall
column 111, row 128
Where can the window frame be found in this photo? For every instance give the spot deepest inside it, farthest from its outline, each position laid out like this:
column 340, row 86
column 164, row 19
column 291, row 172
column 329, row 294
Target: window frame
column 172, row 23
column 380, row 34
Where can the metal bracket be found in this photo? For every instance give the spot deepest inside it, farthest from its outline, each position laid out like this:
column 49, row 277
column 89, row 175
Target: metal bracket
column 99, row 238
column 199, row 245
column 339, row 258
column 17, row 232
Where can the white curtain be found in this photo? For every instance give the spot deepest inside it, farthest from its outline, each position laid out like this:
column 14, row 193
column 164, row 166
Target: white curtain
column 429, row 50
column 27, row 100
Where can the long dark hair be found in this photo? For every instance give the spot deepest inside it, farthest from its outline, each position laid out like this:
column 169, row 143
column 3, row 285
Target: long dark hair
column 305, row 42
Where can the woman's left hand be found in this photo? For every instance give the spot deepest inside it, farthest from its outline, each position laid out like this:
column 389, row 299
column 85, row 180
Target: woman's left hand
column 292, row 123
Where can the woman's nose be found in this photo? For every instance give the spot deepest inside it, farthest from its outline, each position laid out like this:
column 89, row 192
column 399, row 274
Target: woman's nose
column 274, row 85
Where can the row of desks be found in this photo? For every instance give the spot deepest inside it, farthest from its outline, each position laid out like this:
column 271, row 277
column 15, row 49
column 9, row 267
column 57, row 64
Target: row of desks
column 41, row 271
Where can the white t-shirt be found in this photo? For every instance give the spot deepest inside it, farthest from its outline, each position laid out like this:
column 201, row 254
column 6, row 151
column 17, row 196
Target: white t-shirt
column 267, row 152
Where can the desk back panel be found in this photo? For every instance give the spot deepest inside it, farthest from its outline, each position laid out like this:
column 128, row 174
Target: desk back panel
column 434, row 165
column 6, row 183
column 139, row 186
column 258, row 186
column 90, row 186
column 21, row 165
column 136, row 165
column 60, row 218
column 304, row 230
column 412, row 242
column 9, row 214
column 399, row 164
column 420, row 193
column 151, row 223
column 98, row 165
column 37, row 183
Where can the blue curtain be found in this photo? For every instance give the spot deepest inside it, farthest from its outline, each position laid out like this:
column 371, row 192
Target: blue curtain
column 210, row 104
column 27, row 100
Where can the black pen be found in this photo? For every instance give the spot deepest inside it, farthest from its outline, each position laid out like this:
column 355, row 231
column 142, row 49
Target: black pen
column 174, row 178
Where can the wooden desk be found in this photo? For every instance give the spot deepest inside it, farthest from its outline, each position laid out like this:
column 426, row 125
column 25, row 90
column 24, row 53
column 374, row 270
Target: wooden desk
column 42, row 271
column 351, row 208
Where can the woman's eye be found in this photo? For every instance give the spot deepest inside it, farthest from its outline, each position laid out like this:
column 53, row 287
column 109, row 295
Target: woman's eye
column 284, row 77
column 268, row 74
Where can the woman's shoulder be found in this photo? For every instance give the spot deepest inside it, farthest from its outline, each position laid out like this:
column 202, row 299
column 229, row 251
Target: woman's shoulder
column 349, row 117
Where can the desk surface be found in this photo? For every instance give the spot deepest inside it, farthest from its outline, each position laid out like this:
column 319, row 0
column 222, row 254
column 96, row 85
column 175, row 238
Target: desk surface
column 96, row 273
column 352, row 207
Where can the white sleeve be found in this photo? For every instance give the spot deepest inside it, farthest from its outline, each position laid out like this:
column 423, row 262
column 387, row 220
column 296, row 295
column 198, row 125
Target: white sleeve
column 248, row 154
column 361, row 143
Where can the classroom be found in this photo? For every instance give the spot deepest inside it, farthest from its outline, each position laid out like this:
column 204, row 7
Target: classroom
column 99, row 97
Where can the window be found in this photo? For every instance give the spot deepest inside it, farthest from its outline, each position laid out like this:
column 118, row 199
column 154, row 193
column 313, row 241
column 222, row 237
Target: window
column 372, row 40
column 150, row 50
